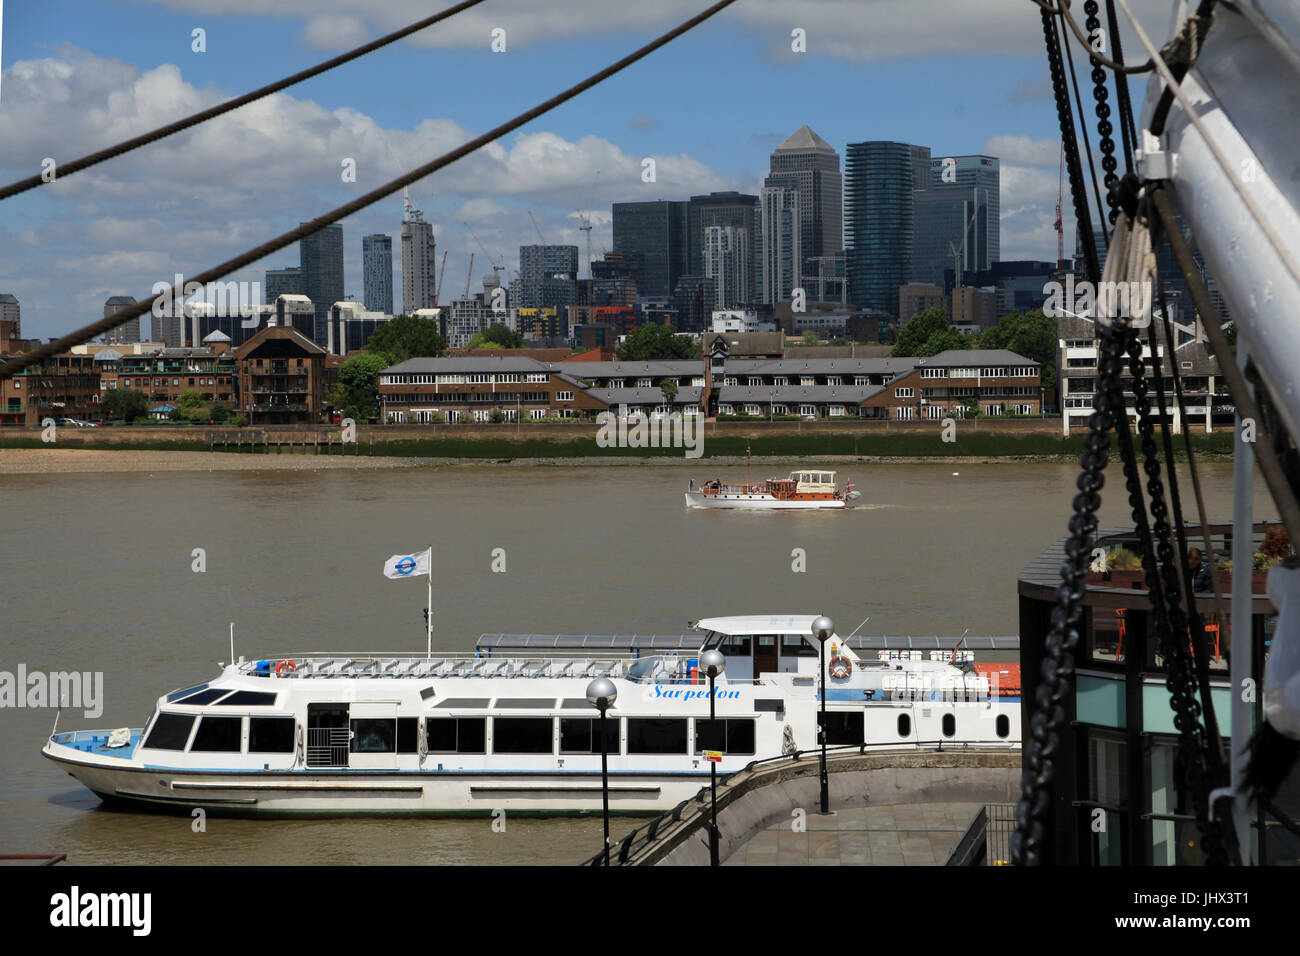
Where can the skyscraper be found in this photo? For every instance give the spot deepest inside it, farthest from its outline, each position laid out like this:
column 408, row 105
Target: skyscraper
column 781, row 238
column 129, row 331
column 278, row 282
column 652, row 238
column 548, row 276
column 728, row 262
column 10, row 311
column 377, row 273
column 957, row 217
column 321, row 261
column 738, row 210
column 880, row 180
column 419, row 277
column 810, row 165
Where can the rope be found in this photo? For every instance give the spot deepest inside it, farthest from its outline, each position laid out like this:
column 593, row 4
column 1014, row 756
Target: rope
column 86, row 333
column 94, row 159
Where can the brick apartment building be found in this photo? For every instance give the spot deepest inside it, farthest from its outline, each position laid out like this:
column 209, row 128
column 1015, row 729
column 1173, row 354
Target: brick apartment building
column 281, row 375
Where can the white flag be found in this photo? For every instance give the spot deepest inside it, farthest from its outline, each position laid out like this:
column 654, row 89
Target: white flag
column 408, row 565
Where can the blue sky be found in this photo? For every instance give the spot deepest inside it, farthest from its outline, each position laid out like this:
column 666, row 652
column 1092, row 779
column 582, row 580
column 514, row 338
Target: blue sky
column 710, row 107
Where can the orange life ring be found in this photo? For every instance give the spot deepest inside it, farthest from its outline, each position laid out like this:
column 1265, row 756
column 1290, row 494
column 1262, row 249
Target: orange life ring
column 840, row 667
column 283, row 664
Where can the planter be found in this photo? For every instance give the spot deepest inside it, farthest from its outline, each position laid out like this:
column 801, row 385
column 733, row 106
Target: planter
column 1127, row 580
column 1258, row 581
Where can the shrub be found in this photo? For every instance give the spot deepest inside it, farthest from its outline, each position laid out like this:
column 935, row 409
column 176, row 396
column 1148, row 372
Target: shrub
column 1122, row 559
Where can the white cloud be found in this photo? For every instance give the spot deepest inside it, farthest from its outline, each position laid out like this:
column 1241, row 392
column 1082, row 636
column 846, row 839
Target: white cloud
column 1024, row 150
column 335, row 32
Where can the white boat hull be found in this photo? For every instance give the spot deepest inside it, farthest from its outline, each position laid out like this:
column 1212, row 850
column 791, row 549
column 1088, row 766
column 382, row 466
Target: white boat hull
column 760, row 502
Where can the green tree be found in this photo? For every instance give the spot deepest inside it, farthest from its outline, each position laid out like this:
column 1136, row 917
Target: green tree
column 669, row 387
column 358, row 390
column 190, row 398
column 810, row 337
column 941, row 341
column 1031, row 334
column 497, row 336
column 127, row 404
column 654, row 342
column 916, row 331
column 406, row 336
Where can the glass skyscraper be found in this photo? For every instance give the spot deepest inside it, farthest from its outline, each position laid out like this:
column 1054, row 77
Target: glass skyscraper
column 810, row 165
column 728, row 209
column 321, row 261
column 377, row 272
column 962, row 199
column 880, row 181
column 652, row 238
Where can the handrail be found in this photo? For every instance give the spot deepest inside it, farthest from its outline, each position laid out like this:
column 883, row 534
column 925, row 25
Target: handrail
column 674, row 815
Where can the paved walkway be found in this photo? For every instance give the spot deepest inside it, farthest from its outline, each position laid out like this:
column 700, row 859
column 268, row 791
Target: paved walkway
column 907, row 835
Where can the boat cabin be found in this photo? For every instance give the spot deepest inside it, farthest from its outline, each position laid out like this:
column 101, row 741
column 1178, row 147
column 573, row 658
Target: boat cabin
column 814, row 482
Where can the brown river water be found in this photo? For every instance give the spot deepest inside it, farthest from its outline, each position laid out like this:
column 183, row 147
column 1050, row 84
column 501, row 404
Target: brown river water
column 96, row 575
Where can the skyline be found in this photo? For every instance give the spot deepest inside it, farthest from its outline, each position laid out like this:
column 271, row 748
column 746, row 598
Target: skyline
column 199, row 197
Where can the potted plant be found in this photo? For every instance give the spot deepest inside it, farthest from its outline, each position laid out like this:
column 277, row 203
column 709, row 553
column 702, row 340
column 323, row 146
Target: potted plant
column 1118, row 568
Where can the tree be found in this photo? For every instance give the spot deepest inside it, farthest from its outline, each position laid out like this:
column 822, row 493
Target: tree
column 358, row 389
column 406, row 336
column 917, row 330
column 1031, row 334
column 669, row 387
column 190, row 398
column 941, row 341
column 810, row 337
column 127, row 404
column 497, row 336
column 654, row 342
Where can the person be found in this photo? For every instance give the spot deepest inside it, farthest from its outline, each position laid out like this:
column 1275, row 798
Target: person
column 1200, row 569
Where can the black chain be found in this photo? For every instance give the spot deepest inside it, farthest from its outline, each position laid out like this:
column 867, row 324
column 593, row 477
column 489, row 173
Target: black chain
column 1100, row 94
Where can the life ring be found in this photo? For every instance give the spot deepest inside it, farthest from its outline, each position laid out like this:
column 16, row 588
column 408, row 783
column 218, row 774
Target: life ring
column 282, row 665
column 840, row 667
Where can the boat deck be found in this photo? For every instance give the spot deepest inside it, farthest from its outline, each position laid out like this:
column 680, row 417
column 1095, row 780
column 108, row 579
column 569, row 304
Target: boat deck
column 96, row 742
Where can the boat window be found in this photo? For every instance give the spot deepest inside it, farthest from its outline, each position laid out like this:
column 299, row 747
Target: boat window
column 1003, row 725
column 656, row 735
column 408, row 729
column 795, row 645
column 949, row 725
column 522, row 703
column 249, row 698
column 731, row 735
column 456, row 735
column 736, row 645
column 204, row 696
column 270, row 735
column 219, row 735
column 904, row 725
column 581, row 735
column 844, row 727
column 170, row 731
column 373, row 735
column 463, row 703
column 577, row 703
column 178, row 694
column 522, row 735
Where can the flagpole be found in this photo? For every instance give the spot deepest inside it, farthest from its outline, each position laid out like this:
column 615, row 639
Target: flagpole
column 429, row 616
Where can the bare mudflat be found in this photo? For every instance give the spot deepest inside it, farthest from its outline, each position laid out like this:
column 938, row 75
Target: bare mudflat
column 50, row 461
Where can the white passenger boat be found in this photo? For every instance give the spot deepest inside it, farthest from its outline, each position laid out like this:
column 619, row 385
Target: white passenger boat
column 801, row 490
column 511, row 730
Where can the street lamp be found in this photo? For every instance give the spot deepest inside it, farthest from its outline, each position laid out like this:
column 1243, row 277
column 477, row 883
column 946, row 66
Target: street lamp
column 602, row 693
column 822, row 629
column 714, row 664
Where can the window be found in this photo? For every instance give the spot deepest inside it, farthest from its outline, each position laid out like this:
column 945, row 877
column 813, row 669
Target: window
column 904, row 725
column 949, row 724
column 456, row 735
column 780, row 380
column 905, row 413
column 934, row 373
column 374, row 735
column 249, row 698
column 753, row 410
column 904, row 392
column 807, row 411
column 535, row 377
column 735, row 645
column 205, row 696
column 843, row 727
column 218, row 735
column 564, row 396
column 731, row 735
column 536, row 413
column 1003, row 725
column 581, row 735
column 656, row 735
column 270, row 735
column 807, row 380
column 170, row 731
column 521, row 735
column 836, row 411
column 861, row 380
column 754, row 380
column 793, row 645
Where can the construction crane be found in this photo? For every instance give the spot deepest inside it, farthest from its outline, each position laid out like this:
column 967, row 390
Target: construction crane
column 498, row 269
column 406, row 190
column 1058, row 226
column 437, row 290
column 470, row 275
column 584, row 221
column 537, row 227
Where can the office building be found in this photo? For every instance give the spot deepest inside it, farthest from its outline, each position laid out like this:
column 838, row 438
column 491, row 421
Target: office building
column 548, row 276
column 280, row 282
column 739, row 211
column 653, row 241
column 729, row 263
column 881, row 179
column 957, row 218
column 129, row 331
column 419, row 276
column 813, row 167
column 377, row 273
column 321, row 262
column 781, row 239
column 11, row 315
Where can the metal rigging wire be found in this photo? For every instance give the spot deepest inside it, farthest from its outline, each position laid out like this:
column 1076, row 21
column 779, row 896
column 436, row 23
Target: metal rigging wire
column 77, row 165
column 86, row 333
column 1064, row 13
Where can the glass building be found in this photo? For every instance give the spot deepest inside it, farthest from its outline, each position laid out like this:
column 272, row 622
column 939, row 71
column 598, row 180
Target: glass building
column 377, row 273
column 727, row 209
column 280, row 282
column 321, row 261
column 651, row 237
column 880, row 181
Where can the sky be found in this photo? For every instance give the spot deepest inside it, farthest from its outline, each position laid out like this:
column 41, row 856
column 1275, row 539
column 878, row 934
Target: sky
column 958, row 76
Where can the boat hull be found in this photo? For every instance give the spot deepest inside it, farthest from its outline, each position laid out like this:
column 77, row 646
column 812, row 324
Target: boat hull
column 761, row 502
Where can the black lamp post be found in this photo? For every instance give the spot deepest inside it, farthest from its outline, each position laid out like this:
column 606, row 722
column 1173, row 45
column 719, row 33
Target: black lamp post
column 714, row 664
column 822, row 629
column 602, row 693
